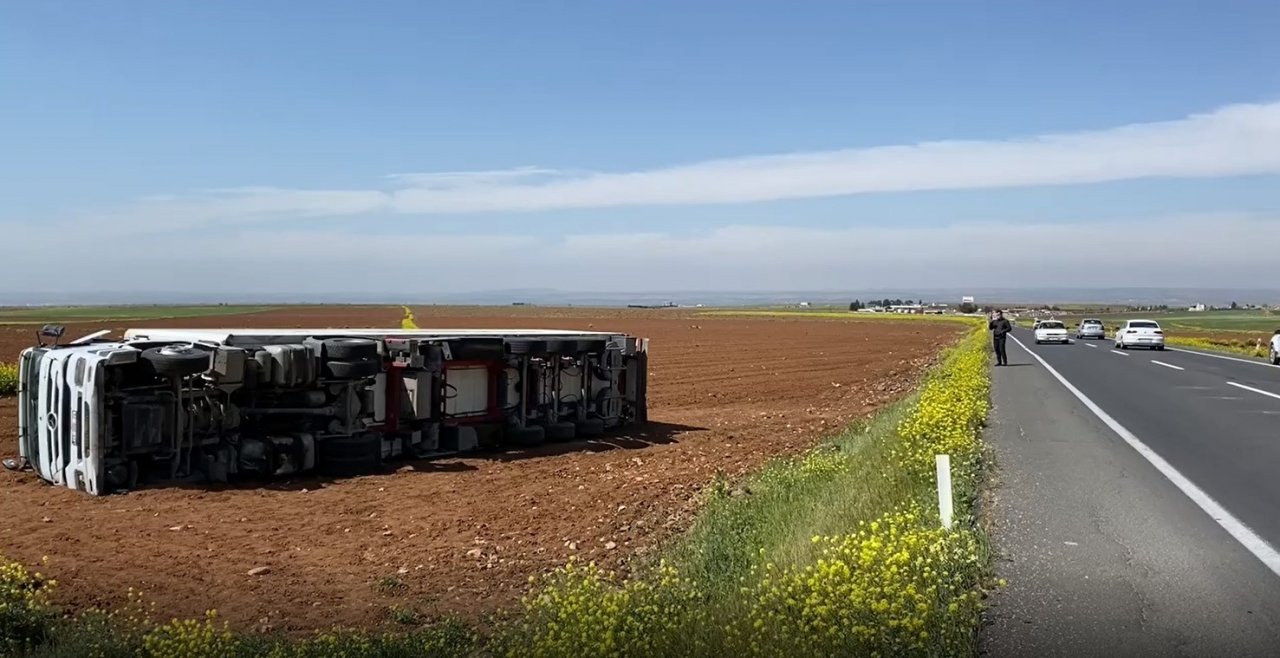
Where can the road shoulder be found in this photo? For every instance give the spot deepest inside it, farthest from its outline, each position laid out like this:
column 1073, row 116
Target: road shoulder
column 1103, row 556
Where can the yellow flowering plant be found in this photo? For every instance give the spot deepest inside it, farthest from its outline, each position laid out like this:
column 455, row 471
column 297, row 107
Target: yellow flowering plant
column 8, row 379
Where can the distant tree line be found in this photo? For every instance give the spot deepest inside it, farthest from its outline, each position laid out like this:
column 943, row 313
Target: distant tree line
column 858, row 305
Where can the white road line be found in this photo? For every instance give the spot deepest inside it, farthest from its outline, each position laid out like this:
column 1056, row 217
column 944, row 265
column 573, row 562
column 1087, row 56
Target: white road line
column 1091, row 345
column 1119, row 352
column 1264, row 364
column 1167, row 365
column 1237, row 529
column 1255, row 390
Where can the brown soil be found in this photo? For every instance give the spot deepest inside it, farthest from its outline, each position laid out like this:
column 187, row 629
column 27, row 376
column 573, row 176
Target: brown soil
column 462, row 536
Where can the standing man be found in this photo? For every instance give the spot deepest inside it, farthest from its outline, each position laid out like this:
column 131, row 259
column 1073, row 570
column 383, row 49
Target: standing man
column 1000, row 328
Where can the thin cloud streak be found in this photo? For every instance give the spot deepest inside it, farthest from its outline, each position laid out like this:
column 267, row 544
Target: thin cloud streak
column 1224, row 249
column 1230, row 141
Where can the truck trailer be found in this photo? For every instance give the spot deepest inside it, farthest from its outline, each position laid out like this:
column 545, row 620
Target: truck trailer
column 104, row 415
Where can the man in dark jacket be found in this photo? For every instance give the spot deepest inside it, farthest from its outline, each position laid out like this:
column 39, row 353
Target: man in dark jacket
column 1000, row 328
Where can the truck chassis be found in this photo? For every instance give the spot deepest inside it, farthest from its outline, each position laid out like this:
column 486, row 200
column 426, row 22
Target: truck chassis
column 175, row 405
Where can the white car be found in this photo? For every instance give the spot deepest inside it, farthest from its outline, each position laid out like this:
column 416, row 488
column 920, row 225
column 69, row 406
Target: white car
column 1051, row 331
column 1140, row 333
column 1091, row 328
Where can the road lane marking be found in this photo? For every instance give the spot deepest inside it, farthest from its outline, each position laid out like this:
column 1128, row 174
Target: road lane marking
column 1091, row 345
column 1236, row 528
column 1119, row 352
column 1223, row 357
column 1167, row 365
column 1255, row 390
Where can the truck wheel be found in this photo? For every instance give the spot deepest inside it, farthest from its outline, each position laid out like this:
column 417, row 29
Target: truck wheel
column 559, row 432
column 526, row 437
column 352, row 369
column 1275, row 358
column 350, row 349
column 350, row 455
column 177, row 360
column 590, row 427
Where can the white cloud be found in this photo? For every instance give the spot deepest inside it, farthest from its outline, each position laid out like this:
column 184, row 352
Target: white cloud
column 1210, row 250
column 1230, row 141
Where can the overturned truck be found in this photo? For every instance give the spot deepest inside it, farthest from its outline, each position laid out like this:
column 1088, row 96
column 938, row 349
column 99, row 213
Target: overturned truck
column 218, row 405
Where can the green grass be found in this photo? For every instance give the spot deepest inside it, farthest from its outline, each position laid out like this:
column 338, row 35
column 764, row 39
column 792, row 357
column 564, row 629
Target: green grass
column 37, row 315
column 51, row 314
column 780, row 509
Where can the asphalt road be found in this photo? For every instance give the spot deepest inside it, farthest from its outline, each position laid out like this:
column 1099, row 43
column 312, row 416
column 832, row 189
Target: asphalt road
column 1149, row 531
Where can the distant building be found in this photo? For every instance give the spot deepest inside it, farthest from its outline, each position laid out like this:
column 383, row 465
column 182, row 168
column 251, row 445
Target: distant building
column 968, row 299
column 1198, row 308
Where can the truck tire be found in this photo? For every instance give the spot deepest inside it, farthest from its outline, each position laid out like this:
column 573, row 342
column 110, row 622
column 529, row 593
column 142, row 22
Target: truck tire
column 526, row 437
column 352, row 369
column 353, row 455
column 1275, row 358
column 177, row 360
column 590, row 427
column 560, row 432
column 350, row 349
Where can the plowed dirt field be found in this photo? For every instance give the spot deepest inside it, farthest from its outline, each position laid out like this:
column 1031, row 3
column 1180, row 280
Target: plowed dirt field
column 462, row 536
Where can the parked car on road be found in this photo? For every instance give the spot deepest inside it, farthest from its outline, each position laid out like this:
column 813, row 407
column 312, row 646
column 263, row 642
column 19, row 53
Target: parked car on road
column 1140, row 333
column 1051, row 331
column 1091, row 328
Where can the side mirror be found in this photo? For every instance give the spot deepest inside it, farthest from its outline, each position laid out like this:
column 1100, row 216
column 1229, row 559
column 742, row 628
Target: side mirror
column 53, row 331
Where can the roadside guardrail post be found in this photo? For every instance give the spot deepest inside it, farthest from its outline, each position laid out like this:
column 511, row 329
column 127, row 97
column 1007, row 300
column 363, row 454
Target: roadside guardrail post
column 945, row 509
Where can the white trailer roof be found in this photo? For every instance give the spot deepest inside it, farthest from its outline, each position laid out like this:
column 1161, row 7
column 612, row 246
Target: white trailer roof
column 242, row 336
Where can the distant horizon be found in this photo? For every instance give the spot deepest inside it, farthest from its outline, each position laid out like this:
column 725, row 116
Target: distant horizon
column 1142, row 296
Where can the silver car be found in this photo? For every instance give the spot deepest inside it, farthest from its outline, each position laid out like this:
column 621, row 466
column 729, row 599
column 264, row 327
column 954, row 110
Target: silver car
column 1091, row 328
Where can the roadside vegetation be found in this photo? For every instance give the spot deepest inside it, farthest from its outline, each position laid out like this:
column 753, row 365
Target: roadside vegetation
column 1249, row 347
column 8, row 379
column 839, row 551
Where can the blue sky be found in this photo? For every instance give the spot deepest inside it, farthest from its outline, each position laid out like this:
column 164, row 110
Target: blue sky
column 662, row 144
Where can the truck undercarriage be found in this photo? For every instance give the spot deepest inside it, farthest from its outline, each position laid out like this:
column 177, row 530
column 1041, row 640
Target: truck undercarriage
column 223, row 405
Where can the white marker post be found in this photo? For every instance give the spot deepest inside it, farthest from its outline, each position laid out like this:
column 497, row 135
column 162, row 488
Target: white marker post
column 944, row 489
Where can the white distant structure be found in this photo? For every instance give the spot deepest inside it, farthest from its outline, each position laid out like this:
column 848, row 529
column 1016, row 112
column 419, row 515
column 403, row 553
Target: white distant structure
column 1198, row 308
column 968, row 299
